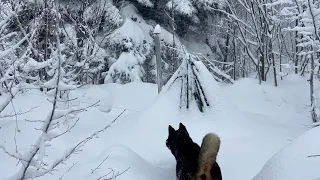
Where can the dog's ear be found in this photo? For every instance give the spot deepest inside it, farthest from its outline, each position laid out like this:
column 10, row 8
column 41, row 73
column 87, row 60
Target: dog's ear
column 183, row 129
column 171, row 130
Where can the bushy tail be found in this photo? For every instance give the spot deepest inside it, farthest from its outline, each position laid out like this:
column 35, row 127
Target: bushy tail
column 208, row 154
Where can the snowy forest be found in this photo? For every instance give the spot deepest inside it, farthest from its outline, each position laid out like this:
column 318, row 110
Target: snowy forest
column 80, row 79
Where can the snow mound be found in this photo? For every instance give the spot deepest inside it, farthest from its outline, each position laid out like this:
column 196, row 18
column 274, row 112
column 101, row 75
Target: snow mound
column 116, row 159
column 117, row 96
column 294, row 162
column 286, row 99
column 92, row 94
column 166, row 111
column 132, row 96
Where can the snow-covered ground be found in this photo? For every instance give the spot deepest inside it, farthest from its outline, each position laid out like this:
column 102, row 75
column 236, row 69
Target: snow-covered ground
column 298, row 160
column 253, row 121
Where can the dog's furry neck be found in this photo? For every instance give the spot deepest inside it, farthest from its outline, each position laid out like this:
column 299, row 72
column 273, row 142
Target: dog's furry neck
column 183, row 147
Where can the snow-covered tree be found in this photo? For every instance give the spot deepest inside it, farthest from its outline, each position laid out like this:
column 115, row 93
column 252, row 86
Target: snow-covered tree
column 32, row 162
column 129, row 48
column 94, row 39
column 309, row 29
column 12, row 58
column 93, row 22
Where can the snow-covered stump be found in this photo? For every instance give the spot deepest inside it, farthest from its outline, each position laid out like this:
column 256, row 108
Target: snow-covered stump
column 193, row 77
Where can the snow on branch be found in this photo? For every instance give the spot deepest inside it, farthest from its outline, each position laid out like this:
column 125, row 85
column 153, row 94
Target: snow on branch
column 33, row 158
column 13, row 92
column 18, row 113
column 75, row 149
column 214, row 69
column 147, row 3
column 182, row 6
column 9, row 50
column 32, row 161
column 12, row 154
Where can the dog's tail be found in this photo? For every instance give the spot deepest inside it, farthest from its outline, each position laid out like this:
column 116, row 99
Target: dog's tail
column 208, row 154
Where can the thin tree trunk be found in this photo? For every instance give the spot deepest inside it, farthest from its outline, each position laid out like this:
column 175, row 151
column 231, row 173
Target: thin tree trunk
column 313, row 113
column 234, row 54
column 316, row 36
column 262, row 68
column 280, row 56
column 274, row 70
column 296, row 50
column 175, row 63
column 225, row 59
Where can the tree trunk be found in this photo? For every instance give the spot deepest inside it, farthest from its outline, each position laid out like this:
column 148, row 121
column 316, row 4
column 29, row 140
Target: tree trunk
column 313, row 113
column 225, row 59
column 262, row 68
column 234, row 54
column 274, row 70
column 280, row 56
column 296, row 50
column 316, row 36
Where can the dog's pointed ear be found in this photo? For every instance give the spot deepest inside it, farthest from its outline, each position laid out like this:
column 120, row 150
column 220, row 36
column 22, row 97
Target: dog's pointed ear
column 183, row 129
column 171, row 129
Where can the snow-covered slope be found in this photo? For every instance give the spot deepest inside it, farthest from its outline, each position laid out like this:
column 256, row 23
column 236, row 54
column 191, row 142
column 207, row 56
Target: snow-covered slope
column 299, row 160
column 253, row 121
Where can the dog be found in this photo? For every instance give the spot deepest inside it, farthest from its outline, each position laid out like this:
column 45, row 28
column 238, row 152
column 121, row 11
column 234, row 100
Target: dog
column 194, row 162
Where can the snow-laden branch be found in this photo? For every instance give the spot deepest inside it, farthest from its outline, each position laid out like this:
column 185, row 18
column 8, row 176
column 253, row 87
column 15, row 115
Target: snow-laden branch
column 243, row 39
column 13, row 92
column 10, row 50
column 214, row 68
column 12, row 154
column 68, row 153
column 18, row 113
column 9, row 35
column 29, row 161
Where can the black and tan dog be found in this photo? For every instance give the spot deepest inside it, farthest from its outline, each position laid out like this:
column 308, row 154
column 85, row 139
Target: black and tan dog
column 193, row 162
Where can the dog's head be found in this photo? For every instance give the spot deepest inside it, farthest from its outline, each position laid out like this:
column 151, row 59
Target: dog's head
column 175, row 136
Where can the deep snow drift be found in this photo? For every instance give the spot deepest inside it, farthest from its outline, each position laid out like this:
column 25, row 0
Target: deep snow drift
column 253, row 121
column 298, row 160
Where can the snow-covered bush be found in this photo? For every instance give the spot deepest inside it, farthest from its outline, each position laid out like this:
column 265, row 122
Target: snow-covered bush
column 131, row 45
